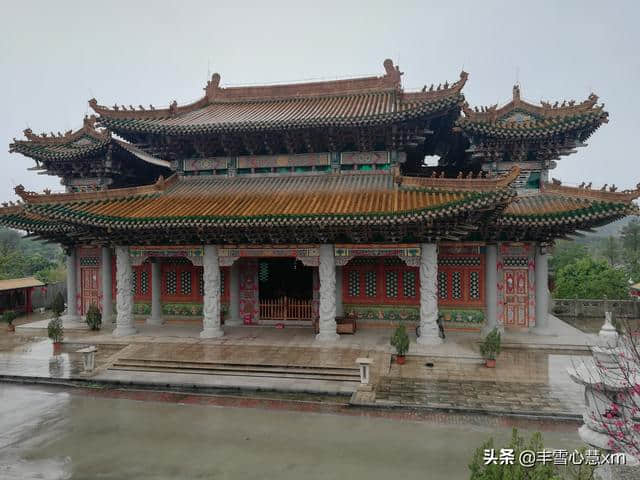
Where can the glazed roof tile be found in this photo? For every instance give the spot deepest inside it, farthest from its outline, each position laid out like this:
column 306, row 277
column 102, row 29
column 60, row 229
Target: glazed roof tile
column 360, row 101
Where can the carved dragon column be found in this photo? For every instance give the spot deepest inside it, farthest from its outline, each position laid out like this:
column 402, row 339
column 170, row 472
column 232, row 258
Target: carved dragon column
column 211, row 302
column 124, row 294
column 156, row 305
column 327, row 272
column 429, row 334
column 107, row 299
column 72, row 288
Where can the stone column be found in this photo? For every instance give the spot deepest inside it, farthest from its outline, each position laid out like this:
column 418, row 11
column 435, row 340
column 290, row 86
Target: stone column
column 429, row 334
column 124, row 294
column 339, row 306
column 107, row 298
column 327, row 273
column 211, row 302
column 234, row 297
column 542, row 288
column 156, row 305
column 491, row 289
column 72, row 288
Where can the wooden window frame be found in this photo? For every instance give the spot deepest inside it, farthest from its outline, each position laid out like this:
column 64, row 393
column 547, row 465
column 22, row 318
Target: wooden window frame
column 465, row 271
column 381, row 287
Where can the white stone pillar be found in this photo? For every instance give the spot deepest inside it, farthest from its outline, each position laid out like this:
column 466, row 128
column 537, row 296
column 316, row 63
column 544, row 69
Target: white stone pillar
column 72, row 288
column 339, row 306
column 124, row 294
column 542, row 288
column 327, row 273
column 429, row 332
column 491, row 289
column 156, row 305
column 211, row 302
column 107, row 297
column 234, row 296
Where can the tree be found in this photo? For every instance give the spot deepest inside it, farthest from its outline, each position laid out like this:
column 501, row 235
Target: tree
column 610, row 250
column 630, row 234
column 591, row 278
column 565, row 252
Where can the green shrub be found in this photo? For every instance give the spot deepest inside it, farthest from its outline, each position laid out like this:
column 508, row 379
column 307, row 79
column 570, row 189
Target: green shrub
column 94, row 317
column 55, row 331
column 57, row 306
column 400, row 340
column 9, row 316
column 490, row 348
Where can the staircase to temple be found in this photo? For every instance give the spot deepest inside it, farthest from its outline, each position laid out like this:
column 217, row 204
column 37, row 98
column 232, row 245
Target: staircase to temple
column 306, row 372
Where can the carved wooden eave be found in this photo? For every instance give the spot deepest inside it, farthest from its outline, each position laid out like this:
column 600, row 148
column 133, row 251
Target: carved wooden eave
column 88, row 129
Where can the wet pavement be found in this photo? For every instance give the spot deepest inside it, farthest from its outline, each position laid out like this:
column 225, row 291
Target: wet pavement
column 526, row 382
column 50, row 433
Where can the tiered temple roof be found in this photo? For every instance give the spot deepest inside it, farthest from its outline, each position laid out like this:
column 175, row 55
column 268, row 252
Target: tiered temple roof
column 299, row 187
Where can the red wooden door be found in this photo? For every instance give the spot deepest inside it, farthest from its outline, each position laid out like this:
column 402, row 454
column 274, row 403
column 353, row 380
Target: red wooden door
column 516, row 297
column 90, row 287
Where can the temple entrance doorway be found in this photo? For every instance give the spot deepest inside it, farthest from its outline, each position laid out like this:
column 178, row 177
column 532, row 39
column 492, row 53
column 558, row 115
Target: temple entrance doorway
column 285, row 290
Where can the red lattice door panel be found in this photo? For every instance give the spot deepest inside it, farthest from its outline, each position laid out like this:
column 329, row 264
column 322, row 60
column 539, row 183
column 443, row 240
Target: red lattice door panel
column 516, row 286
column 90, row 287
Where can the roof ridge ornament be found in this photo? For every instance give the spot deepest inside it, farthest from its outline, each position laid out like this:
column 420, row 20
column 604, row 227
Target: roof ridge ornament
column 88, row 128
column 585, row 190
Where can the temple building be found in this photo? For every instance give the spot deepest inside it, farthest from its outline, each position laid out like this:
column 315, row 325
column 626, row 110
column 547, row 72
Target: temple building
column 305, row 203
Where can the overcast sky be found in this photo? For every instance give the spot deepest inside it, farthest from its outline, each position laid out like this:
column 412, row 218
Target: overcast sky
column 55, row 56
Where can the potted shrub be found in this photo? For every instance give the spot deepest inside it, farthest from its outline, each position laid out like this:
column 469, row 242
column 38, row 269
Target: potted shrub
column 9, row 316
column 54, row 329
column 56, row 333
column 400, row 340
column 490, row 348
column 94, row 317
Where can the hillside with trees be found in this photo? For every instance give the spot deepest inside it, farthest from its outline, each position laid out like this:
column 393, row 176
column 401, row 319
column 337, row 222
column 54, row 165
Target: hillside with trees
column 24, row 257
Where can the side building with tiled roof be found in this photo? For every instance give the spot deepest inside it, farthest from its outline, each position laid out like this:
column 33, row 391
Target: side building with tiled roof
column 312, row 204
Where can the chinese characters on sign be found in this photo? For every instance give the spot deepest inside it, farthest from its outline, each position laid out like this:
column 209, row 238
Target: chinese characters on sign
column 528, row 458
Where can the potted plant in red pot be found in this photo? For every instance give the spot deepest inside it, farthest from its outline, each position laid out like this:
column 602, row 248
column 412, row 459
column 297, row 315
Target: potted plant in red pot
column 490, row 348
column 54, row 329
column 9, row 316
column 400, row 340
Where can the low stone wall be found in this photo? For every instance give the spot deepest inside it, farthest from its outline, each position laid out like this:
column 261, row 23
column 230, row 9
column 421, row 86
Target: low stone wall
column 595, row 308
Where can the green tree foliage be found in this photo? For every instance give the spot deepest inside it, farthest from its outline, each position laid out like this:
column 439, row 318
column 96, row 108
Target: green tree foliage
column 25, row 257
column 630, row 234
column 565, row 253
column 611, row 250
column 591, row 278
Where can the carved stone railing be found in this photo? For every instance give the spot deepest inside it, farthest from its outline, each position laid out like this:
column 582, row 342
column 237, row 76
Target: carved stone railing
column 571, row 307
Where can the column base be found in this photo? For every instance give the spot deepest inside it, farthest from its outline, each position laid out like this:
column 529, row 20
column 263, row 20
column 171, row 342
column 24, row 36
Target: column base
column 154, row 321
column 429, row 340
column 233, row 322
column 212, row 333
column 123, row 331
column 327, row 337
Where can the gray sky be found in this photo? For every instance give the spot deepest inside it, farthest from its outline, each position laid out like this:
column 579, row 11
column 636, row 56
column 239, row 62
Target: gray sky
column 57, row 55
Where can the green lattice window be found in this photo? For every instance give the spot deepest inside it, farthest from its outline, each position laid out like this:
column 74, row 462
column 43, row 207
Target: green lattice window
column 185, row 282
column 370, row 284
column 456, row 285
column 221, row 282
column 409, row 283
column 144, row 282
column 391, row 284
column 171, row 282
column 443, row 286
column 474, row 286
column 354, row 283
column 134, row 282
column 201, row 282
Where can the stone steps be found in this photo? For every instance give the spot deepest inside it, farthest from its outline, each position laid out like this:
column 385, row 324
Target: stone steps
column 340, row 374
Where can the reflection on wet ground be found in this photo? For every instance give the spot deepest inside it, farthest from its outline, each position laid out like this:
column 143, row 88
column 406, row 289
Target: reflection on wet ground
column 53, row 433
